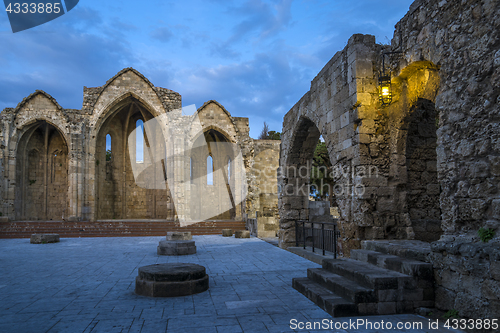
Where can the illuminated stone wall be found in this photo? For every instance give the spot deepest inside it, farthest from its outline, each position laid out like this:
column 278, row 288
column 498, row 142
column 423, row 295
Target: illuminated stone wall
column 437, row 142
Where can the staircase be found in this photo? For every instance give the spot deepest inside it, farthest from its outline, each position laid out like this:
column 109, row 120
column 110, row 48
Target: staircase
column 113, row 228
column 370, row 282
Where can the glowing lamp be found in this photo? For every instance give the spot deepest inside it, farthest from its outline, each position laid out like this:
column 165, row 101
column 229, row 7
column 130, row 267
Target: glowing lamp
column 385, row 93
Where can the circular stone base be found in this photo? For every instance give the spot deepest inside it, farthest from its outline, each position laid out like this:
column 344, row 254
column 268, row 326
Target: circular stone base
column 242, row 234
column 176, row 248
column 171, row 280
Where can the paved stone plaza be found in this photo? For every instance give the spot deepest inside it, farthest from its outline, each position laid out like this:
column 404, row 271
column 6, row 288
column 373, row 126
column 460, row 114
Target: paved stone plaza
column 87, row 285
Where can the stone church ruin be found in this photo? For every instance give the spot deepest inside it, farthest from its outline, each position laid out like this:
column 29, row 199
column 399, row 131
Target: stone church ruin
column 131, row 163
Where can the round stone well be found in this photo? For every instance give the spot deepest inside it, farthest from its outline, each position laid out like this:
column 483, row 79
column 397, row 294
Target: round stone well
column 171, row 280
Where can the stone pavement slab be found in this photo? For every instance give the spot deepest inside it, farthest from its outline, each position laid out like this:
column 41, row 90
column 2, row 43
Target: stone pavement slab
column 87, row 285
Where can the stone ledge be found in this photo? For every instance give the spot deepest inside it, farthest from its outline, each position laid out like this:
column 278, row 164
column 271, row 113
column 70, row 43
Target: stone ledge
column 468, row 249
column 44, row 238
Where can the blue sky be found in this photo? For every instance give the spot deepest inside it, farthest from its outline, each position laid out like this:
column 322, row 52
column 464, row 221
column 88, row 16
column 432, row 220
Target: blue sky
column 257, row 58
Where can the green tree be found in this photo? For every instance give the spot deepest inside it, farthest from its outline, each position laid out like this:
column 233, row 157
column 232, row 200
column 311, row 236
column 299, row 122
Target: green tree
column 273, row 135
column 320, row 172
column 266, row 134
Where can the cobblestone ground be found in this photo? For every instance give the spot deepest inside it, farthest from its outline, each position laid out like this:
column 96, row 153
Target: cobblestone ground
column 87, row 285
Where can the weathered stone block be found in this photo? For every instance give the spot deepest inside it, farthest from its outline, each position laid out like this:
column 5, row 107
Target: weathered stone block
column 227, row 233
column 176, row 248
column 242, row 234
column 44, row 238
column 388, row 295
column 386, row 308
column 179, row 235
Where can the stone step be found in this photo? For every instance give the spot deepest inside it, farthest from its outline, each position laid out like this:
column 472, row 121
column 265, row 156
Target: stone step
column 341, row 286
column 415, row 268
column 118, row 228
column 409, row 249
column 368, row 275
column 333, row 304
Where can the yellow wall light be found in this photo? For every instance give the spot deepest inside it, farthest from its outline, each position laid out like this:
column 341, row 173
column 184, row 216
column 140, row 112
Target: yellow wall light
column 384, row 90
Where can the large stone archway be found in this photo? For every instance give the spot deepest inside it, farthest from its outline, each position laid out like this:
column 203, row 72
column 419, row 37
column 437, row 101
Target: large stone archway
column 120, row 194
column 41, row 174
column 212, row 177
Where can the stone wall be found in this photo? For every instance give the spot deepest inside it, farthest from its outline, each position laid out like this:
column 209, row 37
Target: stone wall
column 340, row 92
column 461, row 39
column 467, row 277
column 439, row 138
column 262, row 198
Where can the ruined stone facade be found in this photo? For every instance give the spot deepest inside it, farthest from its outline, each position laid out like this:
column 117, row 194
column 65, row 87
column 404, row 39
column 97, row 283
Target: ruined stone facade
column 426, row 166
column 81, row 165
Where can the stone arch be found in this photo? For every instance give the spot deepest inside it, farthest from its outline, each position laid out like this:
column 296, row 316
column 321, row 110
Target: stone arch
column 41, row 191
column 127, row 193
column 38, row 101
column 413, row 159
column 212, row 115
column 217, row 196
column 39, row 106
column 295, row 168
column 127, row 80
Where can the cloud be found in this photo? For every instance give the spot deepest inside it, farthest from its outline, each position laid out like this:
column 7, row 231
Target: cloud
column 263, row 88
column 163, row 34
column 365, row 17
column 83, row 52
column 257, row 58
column 258, row 21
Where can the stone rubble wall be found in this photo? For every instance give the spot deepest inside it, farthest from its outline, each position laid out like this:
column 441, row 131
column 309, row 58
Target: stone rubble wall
column 439, row 138
column 467, row 277
column 461, row 38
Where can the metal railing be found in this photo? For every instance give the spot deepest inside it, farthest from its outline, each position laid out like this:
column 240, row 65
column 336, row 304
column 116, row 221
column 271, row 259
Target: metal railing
column 323, row 236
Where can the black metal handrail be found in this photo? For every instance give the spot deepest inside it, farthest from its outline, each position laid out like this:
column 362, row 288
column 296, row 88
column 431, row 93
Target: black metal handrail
column 324, row 237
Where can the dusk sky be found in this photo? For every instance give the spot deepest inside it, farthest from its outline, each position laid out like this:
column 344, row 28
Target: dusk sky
column 256, row 58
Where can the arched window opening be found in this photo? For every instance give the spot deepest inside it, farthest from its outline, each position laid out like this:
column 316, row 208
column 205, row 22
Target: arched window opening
column 229, row 169
column 108, row 147
column 210, row 170
column 139, row 141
